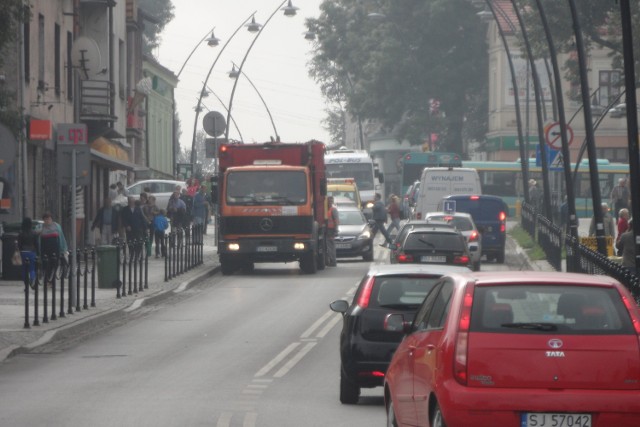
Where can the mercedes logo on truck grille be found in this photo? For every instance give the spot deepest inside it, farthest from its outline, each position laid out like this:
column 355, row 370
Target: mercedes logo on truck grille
column 266, row 224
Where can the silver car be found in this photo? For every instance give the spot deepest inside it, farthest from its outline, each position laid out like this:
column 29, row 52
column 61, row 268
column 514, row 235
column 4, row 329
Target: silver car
column 161, row 189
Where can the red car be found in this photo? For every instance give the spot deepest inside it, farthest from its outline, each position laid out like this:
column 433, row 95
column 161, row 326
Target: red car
column 518, row 349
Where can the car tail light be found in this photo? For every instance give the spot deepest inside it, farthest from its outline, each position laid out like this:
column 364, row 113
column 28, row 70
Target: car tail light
column 462, row 339
column 474, row 197
column 633, row 311
column 365, row 294
column 376, row 374
column 461, row 259
column 473, row 237
column 404, row 258
column 502, row 216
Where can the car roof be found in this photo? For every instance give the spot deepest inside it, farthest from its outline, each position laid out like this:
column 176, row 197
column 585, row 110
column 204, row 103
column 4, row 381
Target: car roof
column 439, row 228
column 458, row 214
column 393, row 269
column 348, row 207
column 537, row 278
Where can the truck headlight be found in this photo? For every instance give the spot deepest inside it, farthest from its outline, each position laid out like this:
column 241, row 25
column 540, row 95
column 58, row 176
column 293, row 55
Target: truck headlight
column 299, row 246
column 233, row 247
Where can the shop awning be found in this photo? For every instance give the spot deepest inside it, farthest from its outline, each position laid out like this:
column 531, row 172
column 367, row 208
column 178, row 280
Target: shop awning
column 112, row 155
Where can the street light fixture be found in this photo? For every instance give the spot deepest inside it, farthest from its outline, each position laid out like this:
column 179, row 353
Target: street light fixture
column 211, row 41
column 198, row 109
column 290, row 11
column 234, row 74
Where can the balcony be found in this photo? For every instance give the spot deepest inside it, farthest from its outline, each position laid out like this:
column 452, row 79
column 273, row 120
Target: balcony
column 96, row 98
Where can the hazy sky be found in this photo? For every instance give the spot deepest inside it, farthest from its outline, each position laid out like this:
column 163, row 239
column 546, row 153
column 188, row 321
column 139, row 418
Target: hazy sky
column 276, row 64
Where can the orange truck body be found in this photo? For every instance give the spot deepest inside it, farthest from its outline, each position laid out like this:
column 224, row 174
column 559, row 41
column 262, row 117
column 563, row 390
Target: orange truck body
column 271, row 205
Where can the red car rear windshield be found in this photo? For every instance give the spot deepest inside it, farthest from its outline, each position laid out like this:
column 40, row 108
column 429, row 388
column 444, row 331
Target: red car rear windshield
column 558, row 309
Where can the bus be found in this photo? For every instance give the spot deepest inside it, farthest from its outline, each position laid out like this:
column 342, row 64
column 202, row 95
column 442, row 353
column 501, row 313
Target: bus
column 356, row 164
column 504, row 179
column 414, row 162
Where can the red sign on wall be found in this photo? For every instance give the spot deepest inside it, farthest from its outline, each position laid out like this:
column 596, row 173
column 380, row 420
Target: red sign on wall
column 40, row 130
column 73, row 133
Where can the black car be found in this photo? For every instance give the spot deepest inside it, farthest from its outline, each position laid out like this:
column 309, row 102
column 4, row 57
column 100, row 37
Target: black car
column 434, row 245
column 354, row 238
column 406, row 227
column 365, row 346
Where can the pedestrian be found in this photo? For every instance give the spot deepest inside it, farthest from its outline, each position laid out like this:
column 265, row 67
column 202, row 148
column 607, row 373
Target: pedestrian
column 627, row 246
column 607, row 221
column 620, row 197
column 52, row 245
column 28, row 246
column 380, row 218
column 107, row 221
column 160, row 225
column 176, row 210
column 147, row 212
column 394, row 213
column 188, row 202
column 623, row 223
column 333, row 221
column 121, row 190
column 133, row 221
column 113, row 192
column 200, row 208
column 534, row 194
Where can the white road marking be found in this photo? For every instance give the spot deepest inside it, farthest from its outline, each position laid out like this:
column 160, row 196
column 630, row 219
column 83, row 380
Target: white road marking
column 250, row 419
column 225, row 419
column 276, row 359
column 294, row 360
column 136, row 304
column 316, row 324
column 329, row 326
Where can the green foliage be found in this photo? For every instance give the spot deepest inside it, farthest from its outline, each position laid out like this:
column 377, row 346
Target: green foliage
column 399, row 58
column 162, row 12
column 526, row 242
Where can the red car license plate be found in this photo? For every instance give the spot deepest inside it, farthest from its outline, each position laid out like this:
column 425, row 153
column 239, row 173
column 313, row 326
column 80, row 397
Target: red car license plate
column 555, row 420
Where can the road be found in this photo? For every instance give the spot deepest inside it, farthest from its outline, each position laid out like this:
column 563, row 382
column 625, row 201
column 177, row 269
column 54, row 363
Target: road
column 242, row 350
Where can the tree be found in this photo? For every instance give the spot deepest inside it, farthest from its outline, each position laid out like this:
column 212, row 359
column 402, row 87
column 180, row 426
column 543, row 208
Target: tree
column 413, row 52
column 160, row 13
column 12, row 14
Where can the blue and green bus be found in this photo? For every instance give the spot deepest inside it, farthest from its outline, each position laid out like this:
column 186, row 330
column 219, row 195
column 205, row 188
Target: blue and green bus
column 415, row 161
column 504, row 179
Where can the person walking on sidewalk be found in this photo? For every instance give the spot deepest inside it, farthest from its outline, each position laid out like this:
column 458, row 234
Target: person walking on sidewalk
column 200, row 208
column 627, row 247
column 160, row 225
column 106, row 220
column 28, row 246
column 620, row 197
column 333, row 221
column 53, row 246
column 607, row 220
column 380, row 217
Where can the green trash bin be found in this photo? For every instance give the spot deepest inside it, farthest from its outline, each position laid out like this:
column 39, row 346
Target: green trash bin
column 107, row 266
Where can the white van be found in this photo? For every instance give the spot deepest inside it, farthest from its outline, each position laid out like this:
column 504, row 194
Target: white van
column 436, row 183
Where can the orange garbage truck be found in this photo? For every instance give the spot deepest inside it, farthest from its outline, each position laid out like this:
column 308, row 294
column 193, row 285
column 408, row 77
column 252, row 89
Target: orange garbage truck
column 271, row 205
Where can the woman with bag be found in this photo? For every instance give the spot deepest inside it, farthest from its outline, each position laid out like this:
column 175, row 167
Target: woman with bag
column 52, row 245
column 28, row 247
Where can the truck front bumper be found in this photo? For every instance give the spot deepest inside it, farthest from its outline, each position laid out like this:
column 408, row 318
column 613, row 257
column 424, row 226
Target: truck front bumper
column 265, row 250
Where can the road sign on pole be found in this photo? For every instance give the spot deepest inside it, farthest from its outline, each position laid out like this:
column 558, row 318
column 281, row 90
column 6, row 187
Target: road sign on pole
column 553, row 136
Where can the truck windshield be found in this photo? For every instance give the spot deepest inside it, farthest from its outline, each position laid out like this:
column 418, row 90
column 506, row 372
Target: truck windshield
column 266, row 188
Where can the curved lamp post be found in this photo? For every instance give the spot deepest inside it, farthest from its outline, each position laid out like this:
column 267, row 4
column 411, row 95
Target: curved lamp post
column 288, row 10
column 211, row 41
column 215, row 61
column 524, row 159
column 234, row 74
column 208, row 91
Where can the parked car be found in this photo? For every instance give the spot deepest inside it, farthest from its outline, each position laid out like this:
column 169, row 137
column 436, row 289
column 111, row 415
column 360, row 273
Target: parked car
column 354, row 236
column 463, row 222
column 405, row 228
column 160, row 188
column 512, row 349
column 435, row 244
column 365, row 346
column 490, row 215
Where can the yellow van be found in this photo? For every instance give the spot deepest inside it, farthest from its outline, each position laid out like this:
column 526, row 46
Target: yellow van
column 344, row 191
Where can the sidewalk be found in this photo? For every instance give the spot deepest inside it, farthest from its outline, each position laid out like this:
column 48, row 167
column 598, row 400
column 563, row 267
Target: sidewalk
column 15, row 338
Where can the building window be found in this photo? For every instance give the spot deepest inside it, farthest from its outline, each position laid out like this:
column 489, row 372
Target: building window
column 57, row 60
column 69, row 66
column 27, row 47
column 41, row 64
column 609, row 86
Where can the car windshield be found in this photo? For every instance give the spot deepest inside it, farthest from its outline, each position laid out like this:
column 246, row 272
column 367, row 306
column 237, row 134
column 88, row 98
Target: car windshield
column 402, row 291
column 435, row 240
column 266, row 188
column 562, row 309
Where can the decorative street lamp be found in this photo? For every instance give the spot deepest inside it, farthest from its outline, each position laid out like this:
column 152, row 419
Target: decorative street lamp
column 211, row 41
column 206, row 80
column 289, row 10
column 234, row 74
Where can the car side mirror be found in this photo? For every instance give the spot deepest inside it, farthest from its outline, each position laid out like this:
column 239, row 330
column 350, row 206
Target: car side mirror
column 339, row 306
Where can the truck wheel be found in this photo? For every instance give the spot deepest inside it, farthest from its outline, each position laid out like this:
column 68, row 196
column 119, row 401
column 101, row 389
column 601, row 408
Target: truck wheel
column 309, row 262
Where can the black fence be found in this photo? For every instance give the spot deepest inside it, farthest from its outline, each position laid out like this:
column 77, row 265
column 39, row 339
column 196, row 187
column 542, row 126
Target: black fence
column 65, row 289
column 579, row 258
